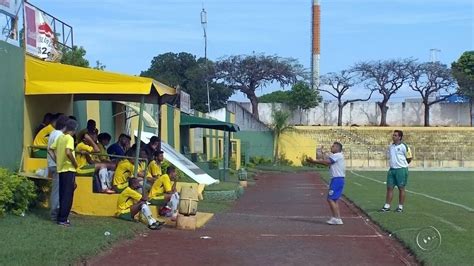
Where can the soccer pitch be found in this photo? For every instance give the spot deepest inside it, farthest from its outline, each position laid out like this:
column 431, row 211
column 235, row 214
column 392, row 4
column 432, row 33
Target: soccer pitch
column 441, row 200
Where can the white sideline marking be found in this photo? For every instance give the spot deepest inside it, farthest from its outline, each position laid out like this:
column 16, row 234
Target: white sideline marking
column 357, row 184
column 315, row 235
column 291, row 217
column 421, row 194
column 455, row 226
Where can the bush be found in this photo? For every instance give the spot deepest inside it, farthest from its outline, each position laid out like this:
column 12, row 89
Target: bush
column 16, row 193
column 214, row 163
column 283, row 161
column 305, row 163
column 257, row 160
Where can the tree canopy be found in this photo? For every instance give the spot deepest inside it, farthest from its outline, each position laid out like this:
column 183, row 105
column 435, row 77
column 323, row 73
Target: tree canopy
column 246, row 73
column 75, row 57
column 190, row 74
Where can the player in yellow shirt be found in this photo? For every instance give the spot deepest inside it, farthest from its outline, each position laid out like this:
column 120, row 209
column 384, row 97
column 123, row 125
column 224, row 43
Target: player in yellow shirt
column 163, row 193
column 124, row 171
column 103, row 141
column 130, row 202
column 66, row 165
column 42, row 137
column 154, row 168
column 87, row 165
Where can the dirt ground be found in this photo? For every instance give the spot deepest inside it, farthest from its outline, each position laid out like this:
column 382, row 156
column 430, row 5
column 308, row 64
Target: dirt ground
column 278, row 221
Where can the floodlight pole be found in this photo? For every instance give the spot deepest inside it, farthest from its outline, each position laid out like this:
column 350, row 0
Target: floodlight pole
column 204, row 28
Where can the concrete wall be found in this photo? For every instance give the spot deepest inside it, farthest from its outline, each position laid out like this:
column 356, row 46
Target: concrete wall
column 255, row 143
column 11, row 104
column 244, row 118
column 368, row 113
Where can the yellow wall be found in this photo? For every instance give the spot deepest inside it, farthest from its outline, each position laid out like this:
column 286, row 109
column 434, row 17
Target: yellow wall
column 93, row 112
column 177, row 121
column 295, row 144
column 164, row 123
column 37, row 106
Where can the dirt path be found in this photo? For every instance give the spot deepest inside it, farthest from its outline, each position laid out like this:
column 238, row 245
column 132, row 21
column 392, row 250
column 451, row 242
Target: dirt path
column 279, row 221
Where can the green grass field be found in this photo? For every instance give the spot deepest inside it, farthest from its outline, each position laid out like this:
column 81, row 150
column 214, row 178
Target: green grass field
column 444, row 200
column 35, row 240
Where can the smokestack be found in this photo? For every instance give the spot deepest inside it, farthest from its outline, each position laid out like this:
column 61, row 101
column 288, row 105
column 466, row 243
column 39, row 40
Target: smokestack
column 316, row 32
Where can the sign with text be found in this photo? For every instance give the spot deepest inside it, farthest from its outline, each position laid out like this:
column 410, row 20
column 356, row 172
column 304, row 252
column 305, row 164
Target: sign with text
column 40, row 38
column 10, row 7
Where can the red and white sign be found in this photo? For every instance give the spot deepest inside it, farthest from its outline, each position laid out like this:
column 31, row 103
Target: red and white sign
column 40, row 37
column 10, row 7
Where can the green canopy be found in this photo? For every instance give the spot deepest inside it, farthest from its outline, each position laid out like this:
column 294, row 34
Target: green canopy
column 200, row 122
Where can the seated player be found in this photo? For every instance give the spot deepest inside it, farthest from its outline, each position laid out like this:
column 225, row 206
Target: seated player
column 88, row 166
column 162, row 193
column 154, row 167
column 90, row 129
column 46, row 121
column 143, row 169
column 104, row 140
column 130, row 202
column 120, row 147
column 41, row 139
column 124, row 171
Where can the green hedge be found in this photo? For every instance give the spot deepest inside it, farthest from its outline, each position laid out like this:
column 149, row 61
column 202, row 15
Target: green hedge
column 16, row 193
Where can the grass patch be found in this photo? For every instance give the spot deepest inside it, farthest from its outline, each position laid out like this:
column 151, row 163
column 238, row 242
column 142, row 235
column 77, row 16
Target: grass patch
column 222, row 186
column 35, row 240
column 214, row 206
column 455, row 223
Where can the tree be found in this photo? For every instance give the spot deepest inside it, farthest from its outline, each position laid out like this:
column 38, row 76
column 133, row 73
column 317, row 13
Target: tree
column 75, row 57
column 339, row 84
column 430, row 79
column 387, row 77
column 276, row 97
column 190, row 74
column 463, row 72
column 303, row 97
column 99, row 65
column 279, row 126
column 246, row 73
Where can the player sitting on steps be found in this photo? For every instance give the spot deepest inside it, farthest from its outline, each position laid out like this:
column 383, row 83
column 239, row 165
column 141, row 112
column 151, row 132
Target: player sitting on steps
column 130, row 203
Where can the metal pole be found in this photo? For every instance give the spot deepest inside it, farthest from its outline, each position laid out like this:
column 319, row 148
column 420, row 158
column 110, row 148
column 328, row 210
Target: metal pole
column 204, row 26
column 139, row 136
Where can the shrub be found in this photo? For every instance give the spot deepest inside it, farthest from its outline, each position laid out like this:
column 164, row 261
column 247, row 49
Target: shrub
column 214, row 163
column 257, row 160
column 16, row 193
column 305, row 163
column 283, row 161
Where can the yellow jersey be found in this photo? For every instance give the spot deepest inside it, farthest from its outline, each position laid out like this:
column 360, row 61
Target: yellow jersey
column 154, row 169
column 63, row 164
column 160, row 187
column 82, row 158
column 122, row 173
column 41, row 139
column 126, row 199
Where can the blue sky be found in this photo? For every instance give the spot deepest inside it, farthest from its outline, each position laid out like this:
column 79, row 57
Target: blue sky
column 126, row 35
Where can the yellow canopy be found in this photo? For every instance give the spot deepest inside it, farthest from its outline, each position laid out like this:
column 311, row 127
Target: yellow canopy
column 46, row 78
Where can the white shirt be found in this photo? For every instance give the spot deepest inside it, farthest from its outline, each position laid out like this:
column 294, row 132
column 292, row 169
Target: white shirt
column 398, row 154
column 52, row 137
column 338, row 165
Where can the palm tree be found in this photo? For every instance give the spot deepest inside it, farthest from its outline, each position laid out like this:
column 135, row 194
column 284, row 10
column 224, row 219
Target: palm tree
column 280, row 125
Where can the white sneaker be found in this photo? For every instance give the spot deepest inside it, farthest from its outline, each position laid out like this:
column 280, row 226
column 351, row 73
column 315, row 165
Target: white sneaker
column 334, row 221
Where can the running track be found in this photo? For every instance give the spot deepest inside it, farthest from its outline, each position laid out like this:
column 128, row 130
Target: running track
column 278, row 221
